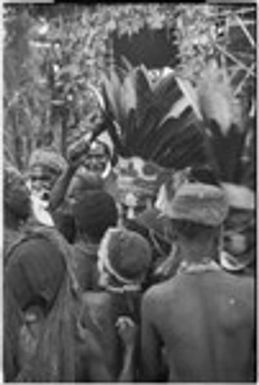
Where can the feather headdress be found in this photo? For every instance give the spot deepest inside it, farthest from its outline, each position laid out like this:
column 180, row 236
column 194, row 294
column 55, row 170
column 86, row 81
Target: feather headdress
column 154, row 121
column 171, row 123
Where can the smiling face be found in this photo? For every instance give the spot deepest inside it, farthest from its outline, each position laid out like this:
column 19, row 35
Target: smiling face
column 97, row 158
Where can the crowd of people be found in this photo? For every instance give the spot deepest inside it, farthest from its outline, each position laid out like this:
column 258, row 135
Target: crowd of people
column 91, row 295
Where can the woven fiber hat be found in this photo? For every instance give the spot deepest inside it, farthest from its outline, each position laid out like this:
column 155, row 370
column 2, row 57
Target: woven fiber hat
column 199, row 203
column 125, row 254
column 47, row 157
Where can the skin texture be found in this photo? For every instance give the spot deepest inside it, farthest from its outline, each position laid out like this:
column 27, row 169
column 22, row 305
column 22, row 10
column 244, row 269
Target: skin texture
column 205, row 321
column 108, row 320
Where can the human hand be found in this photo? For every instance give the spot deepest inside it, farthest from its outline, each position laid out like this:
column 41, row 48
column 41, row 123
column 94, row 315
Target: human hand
column 127, row 330
column 29, row 335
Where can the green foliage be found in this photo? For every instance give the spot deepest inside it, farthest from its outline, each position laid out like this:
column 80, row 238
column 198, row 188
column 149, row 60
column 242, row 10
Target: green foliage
column 52, row 54
column 47, row 72
column 195, row 32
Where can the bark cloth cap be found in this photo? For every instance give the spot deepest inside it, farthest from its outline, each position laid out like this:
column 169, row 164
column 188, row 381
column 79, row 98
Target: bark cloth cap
column 48, row 157
column 125, row 254
column 199, row 203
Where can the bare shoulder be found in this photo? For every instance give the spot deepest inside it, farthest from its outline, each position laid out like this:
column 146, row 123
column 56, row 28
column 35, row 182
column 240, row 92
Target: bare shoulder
column 244, row 285
column 161, row 293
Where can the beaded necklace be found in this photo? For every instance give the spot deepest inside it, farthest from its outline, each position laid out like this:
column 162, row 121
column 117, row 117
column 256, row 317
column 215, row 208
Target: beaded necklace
column 204, row 265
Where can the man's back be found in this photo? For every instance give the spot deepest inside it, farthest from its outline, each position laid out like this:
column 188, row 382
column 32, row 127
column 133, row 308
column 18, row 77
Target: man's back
column 101, row 313
column 206, row 320
column 85, row 265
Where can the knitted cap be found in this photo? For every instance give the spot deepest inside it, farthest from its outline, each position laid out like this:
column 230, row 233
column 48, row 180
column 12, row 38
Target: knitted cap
column 94, row 212
column 47, row 157
column 199, row 203
column 127, row 254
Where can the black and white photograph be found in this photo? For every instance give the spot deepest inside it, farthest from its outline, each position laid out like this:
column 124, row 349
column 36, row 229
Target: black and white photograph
column 129, row 192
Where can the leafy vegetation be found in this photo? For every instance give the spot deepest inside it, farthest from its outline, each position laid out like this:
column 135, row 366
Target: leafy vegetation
column 52, row 54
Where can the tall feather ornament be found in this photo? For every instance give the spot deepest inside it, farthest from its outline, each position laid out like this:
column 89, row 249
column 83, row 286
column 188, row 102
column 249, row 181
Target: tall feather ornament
column 157, row 121
column 216, row 99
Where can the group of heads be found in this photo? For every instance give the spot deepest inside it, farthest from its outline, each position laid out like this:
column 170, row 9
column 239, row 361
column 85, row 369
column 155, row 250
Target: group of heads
column 44, row 167
column 196, row 207
column 93, row 209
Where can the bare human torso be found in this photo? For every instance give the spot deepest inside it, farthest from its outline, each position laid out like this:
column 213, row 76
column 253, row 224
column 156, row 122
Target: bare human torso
column 205, row 320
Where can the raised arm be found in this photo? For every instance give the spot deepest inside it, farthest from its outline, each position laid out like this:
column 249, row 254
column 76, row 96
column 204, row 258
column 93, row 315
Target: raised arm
column 75, row 154
column 60, row 188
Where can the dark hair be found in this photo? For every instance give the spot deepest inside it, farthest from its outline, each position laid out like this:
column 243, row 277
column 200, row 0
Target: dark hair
column 65, row 223
column 94, row 212
column 204, row 174
column 191, row 230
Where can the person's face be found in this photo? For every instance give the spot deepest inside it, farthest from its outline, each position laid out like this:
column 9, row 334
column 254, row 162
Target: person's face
column 236, row 231
column 42, row 179
column 96, row 160
column 235, row 243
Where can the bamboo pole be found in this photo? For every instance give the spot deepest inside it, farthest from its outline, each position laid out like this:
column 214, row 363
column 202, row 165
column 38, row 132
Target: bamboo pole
column 234, row 59
column 245, row 30
column 242, row 11
column 242, row 82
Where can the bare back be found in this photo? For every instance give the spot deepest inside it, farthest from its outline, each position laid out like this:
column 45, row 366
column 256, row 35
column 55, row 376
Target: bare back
column 206, row 321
